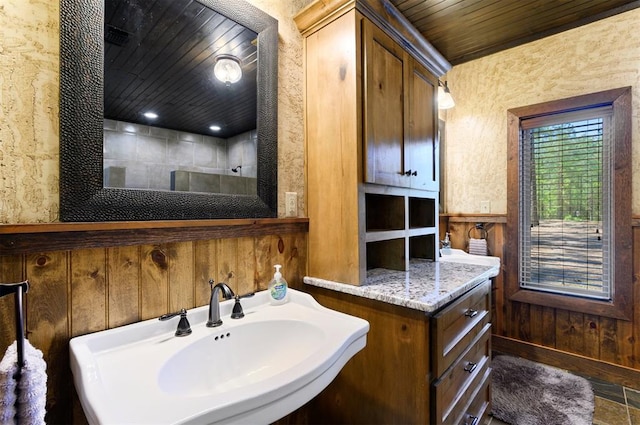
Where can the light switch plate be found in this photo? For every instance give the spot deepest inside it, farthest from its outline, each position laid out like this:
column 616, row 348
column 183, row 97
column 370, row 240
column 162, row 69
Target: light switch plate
column 291, row 204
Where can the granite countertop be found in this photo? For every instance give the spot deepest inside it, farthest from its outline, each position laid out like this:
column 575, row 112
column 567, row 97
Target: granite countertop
column 427, row 286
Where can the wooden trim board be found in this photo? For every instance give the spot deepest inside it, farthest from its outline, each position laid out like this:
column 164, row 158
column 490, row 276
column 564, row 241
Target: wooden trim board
column 573, row 362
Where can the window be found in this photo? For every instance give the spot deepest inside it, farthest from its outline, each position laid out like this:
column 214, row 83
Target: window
column 569, row 212
column 564, row 225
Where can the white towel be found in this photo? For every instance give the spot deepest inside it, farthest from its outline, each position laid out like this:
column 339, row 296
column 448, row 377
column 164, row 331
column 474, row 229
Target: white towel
column 31, row 404
column 8, row 368
column 478, row 246
column 32, row 399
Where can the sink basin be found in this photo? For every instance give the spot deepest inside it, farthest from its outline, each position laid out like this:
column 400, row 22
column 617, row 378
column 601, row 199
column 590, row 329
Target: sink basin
column 251, row 370
column 459, row 256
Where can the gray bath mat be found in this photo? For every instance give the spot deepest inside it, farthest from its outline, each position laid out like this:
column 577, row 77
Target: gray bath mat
column 530, row 393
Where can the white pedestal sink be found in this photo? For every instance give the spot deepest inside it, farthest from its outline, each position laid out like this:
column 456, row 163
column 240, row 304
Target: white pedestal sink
column 251, row 370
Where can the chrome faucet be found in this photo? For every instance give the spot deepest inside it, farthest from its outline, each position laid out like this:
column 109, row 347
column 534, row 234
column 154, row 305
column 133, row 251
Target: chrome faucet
column 214, row 302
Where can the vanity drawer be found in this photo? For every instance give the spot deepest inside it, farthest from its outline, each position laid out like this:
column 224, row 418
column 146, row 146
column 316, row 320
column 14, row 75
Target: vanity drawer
column 480, row 405
column 456, row 389
column 458, row 324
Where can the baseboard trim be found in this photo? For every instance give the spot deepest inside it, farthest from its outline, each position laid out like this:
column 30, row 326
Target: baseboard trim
column 610, row 372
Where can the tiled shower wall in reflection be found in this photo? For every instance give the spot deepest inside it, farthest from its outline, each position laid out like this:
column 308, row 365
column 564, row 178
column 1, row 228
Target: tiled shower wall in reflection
column 142, row 157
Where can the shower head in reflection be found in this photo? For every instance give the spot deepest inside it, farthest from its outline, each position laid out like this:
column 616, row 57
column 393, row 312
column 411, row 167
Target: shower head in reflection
column 235, row 170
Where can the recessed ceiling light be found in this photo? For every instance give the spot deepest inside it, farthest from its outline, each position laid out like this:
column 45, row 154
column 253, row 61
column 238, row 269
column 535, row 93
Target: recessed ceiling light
column 151, row 115
column 215, row 128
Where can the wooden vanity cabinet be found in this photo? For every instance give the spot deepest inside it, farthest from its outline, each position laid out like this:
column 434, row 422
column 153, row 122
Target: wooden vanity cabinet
column 405, row 374
column 460, row 358
column 371, row 140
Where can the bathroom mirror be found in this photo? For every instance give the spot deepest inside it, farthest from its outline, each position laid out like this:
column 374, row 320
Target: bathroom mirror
column 83, row 195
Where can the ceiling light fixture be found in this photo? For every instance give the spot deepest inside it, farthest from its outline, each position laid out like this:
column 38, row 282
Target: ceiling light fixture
column 215, row 128
column 445, row 100
column 227, row 69
column 150, row 115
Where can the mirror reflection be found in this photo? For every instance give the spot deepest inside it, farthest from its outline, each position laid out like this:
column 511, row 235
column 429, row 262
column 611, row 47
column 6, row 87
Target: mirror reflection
column 180, row 98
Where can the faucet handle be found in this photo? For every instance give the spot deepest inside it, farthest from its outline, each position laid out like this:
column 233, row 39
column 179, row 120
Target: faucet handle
column 237, row 312
column 184, row 327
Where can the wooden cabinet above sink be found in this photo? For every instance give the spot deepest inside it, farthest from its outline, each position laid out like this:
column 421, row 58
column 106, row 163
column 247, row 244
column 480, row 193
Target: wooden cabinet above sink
column 371, row 139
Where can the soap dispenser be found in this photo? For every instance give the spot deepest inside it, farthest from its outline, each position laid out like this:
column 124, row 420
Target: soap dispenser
column 278, row 288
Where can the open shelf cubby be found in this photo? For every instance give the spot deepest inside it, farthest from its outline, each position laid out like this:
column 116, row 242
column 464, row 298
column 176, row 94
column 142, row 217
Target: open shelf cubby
column 384, row 212
column 400, row 225
column 388, row 254
column 423, row 247
column 422, row 212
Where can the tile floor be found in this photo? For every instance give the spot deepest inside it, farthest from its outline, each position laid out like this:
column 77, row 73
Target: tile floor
column 614, row 405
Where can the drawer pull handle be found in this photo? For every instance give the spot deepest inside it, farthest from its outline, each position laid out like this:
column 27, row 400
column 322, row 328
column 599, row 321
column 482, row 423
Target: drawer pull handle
column 471, row 313
column 474, row 420
column 470, row 367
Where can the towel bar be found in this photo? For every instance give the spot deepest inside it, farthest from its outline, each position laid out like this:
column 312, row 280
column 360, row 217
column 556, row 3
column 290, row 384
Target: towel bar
column 18, row 289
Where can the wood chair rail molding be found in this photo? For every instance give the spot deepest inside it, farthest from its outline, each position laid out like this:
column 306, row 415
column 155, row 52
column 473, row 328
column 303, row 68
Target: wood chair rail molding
column 499, row 218
column 33, row 238
column 475, row 218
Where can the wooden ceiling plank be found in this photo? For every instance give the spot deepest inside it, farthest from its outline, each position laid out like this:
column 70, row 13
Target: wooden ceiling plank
column 448, row 12
column 452, row 22
column 469, row 18
column 561, row 13
column 483, row 16
column 532, row 37
column 429, row 7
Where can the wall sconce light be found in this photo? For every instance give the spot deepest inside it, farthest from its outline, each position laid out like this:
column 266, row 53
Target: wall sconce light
column 227, row 69
column 445, row 100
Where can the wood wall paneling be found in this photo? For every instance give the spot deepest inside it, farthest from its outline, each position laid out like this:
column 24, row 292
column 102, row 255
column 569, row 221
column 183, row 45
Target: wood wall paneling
column 48, row 324
column 154, row 281
column 88, row 291
column 123, row 275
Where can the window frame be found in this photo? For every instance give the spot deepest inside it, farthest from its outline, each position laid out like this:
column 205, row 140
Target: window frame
column 621, row 304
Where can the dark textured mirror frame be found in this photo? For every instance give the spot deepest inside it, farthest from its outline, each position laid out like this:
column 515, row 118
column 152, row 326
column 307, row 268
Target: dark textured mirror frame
column 82, row 195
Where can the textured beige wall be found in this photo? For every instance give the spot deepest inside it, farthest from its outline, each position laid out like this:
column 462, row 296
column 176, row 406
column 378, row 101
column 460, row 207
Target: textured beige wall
column 29, row 52
column 290, row 99
column 596, row 57
column 29, row 124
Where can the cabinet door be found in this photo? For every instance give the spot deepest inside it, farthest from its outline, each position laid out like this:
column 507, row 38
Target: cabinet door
column 421, row 147
column 384, row 105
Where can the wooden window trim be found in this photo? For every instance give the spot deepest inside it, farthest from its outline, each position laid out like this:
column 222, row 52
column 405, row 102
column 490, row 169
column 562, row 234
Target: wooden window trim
column 621, row 304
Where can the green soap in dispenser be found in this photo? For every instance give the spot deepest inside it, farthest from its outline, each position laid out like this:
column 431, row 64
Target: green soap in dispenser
column 278, row 288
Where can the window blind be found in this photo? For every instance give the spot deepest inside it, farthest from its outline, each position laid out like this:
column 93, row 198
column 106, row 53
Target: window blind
column 564, row 213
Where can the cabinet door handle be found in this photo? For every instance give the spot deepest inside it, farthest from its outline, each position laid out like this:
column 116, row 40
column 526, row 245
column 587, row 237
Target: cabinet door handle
column 407, row 173
column 471, row 313
column 474, row 420
column 415, row 173
column 470, row 367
